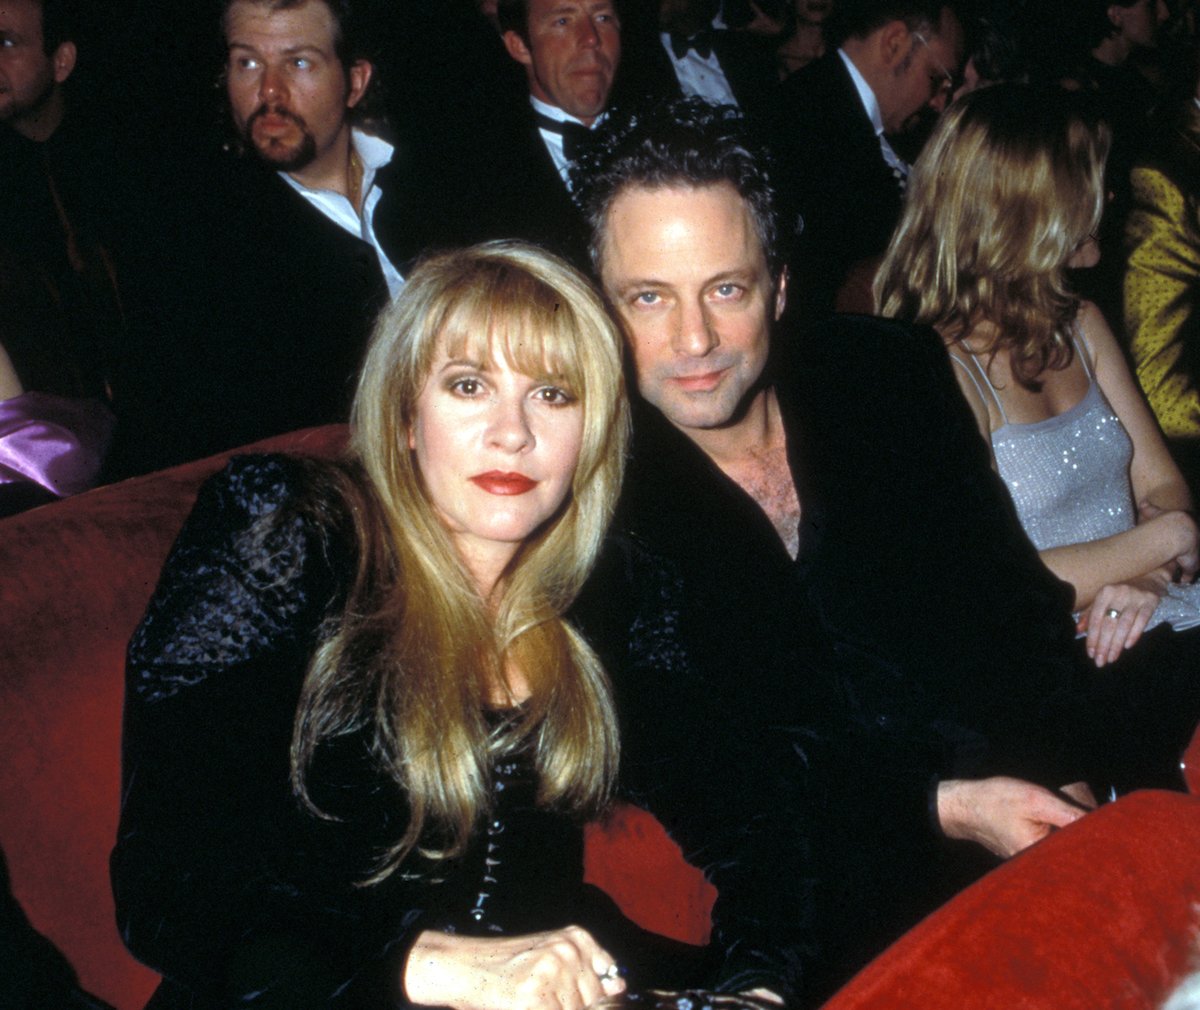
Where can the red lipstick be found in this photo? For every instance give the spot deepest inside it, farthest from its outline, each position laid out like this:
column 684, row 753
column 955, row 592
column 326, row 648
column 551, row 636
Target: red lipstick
column 496, row 482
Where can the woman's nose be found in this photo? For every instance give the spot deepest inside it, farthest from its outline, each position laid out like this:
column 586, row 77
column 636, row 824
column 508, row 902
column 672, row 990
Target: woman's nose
column 510, row 428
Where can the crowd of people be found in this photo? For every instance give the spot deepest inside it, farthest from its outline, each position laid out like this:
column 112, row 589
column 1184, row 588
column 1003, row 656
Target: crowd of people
column 826, row 520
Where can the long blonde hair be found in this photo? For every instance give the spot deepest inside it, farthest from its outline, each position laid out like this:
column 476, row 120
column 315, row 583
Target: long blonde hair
column 1009, row 185
column 417, row 654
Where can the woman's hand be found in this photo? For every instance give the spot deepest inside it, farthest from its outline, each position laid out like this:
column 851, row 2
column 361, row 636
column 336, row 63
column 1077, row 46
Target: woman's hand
column 564, row 969
column 1119, row 614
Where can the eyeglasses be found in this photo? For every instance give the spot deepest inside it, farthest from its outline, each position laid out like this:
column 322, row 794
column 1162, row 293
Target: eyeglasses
column 943, row 82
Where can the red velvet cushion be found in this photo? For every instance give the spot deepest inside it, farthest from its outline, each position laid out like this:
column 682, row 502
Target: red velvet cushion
column 1101, row 914
column 77, row 575
column 1191, row 764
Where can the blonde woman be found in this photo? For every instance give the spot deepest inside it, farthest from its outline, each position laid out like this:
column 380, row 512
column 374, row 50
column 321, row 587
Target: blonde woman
column 1008, row 194
column 388, row 636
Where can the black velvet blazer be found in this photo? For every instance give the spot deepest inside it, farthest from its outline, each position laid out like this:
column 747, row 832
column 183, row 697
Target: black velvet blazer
column 917, row 635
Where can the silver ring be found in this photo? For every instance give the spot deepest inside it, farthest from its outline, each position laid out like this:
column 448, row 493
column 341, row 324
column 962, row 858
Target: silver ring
column 610, row 974
column 1112, row 612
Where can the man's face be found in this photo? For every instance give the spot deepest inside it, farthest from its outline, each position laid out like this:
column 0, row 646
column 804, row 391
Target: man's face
column 689, row 279
column 27, row 74
column 924, row 77
column 1140, row 22
column 571, row 54
column 813, row 12
column 288, row 91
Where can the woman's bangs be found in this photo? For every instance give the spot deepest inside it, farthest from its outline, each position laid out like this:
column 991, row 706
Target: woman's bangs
column 528, row 326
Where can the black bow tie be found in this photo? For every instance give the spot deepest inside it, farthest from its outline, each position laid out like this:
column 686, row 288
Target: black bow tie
column 701, row 42
column 574, row 135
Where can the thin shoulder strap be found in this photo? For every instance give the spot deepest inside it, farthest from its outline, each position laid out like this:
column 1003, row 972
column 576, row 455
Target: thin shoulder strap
column 1082, row 348
column 971, row 369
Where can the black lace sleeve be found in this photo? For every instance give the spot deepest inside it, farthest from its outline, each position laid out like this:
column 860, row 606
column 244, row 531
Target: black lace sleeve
column 223, row 883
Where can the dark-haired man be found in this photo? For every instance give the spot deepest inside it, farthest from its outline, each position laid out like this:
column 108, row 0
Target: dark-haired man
column 857, row 581
column 36, row 59
column 295, row 244
column 839, row 176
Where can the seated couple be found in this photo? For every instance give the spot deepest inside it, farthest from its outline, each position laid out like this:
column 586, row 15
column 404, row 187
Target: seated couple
column 372, row 701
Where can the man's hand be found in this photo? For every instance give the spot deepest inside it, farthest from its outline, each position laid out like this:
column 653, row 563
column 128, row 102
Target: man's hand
column 1003, row 815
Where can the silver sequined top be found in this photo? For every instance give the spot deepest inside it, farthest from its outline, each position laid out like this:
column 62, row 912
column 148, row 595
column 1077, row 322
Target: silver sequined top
column 1069, row 479
column 1069, row 475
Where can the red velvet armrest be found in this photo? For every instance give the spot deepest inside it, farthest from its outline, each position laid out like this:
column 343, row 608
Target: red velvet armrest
column 1101, row 914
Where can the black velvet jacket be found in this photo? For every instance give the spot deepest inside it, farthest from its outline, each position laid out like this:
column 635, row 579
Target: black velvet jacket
column 916, row 636
column 239, row 897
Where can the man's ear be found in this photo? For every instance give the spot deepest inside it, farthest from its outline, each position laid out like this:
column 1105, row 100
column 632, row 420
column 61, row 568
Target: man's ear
column 893, row 42
column 359, row 76
column 781, row 293
column 64, row 61
column 517, row 48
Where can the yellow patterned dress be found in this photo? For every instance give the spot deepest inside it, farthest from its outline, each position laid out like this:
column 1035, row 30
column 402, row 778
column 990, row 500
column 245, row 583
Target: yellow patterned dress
column 1162, row 278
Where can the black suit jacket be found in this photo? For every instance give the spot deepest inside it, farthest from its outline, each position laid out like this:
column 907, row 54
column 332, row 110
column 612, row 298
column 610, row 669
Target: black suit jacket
column 647, row 73
column 916, row 636
column 257, row 321
column 500, row 182
column 836, row 192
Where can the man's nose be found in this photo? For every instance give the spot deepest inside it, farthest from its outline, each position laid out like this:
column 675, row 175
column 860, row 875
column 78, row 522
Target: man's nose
column 695, row 335
column 272, row 86
column 589, row 34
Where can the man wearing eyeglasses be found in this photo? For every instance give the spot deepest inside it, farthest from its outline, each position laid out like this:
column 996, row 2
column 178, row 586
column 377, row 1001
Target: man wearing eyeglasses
column 838, row 174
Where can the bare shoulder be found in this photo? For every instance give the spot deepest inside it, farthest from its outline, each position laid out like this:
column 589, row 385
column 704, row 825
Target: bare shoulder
column 965, row 373
column 1098, row 338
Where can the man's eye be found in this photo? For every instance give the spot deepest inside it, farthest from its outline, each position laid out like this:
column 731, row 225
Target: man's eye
column 245, row 63
column 646, row 298
column 302, row 63
column 728, row 291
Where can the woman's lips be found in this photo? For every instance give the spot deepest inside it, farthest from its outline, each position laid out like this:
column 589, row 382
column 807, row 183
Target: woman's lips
column 496, row 482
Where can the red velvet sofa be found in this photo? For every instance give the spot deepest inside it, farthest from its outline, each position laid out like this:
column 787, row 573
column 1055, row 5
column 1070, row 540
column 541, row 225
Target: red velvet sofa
column 1103, row 914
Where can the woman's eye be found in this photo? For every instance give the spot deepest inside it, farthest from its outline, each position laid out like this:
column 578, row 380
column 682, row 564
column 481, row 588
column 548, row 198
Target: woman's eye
column 556, row 396
column 466, row 386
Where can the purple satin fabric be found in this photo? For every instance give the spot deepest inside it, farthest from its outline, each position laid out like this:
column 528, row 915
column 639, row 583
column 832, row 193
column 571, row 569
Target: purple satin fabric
column 55, row 441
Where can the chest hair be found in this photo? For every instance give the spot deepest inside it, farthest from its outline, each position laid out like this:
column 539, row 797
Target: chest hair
column 766, row 477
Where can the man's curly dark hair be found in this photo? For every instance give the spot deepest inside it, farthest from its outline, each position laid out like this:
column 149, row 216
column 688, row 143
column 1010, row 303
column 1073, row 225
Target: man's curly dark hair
column 682, row 143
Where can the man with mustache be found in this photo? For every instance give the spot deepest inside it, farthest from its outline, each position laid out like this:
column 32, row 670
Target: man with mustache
column 294, row 242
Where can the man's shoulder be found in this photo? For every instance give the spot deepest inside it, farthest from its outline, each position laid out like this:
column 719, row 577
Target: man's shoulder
column 871, row 341
column 818, row 87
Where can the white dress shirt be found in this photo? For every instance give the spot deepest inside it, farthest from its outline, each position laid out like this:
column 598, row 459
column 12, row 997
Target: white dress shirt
column 698, row 76
column 870, row 103
column 554, row 141
column 373, row 153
